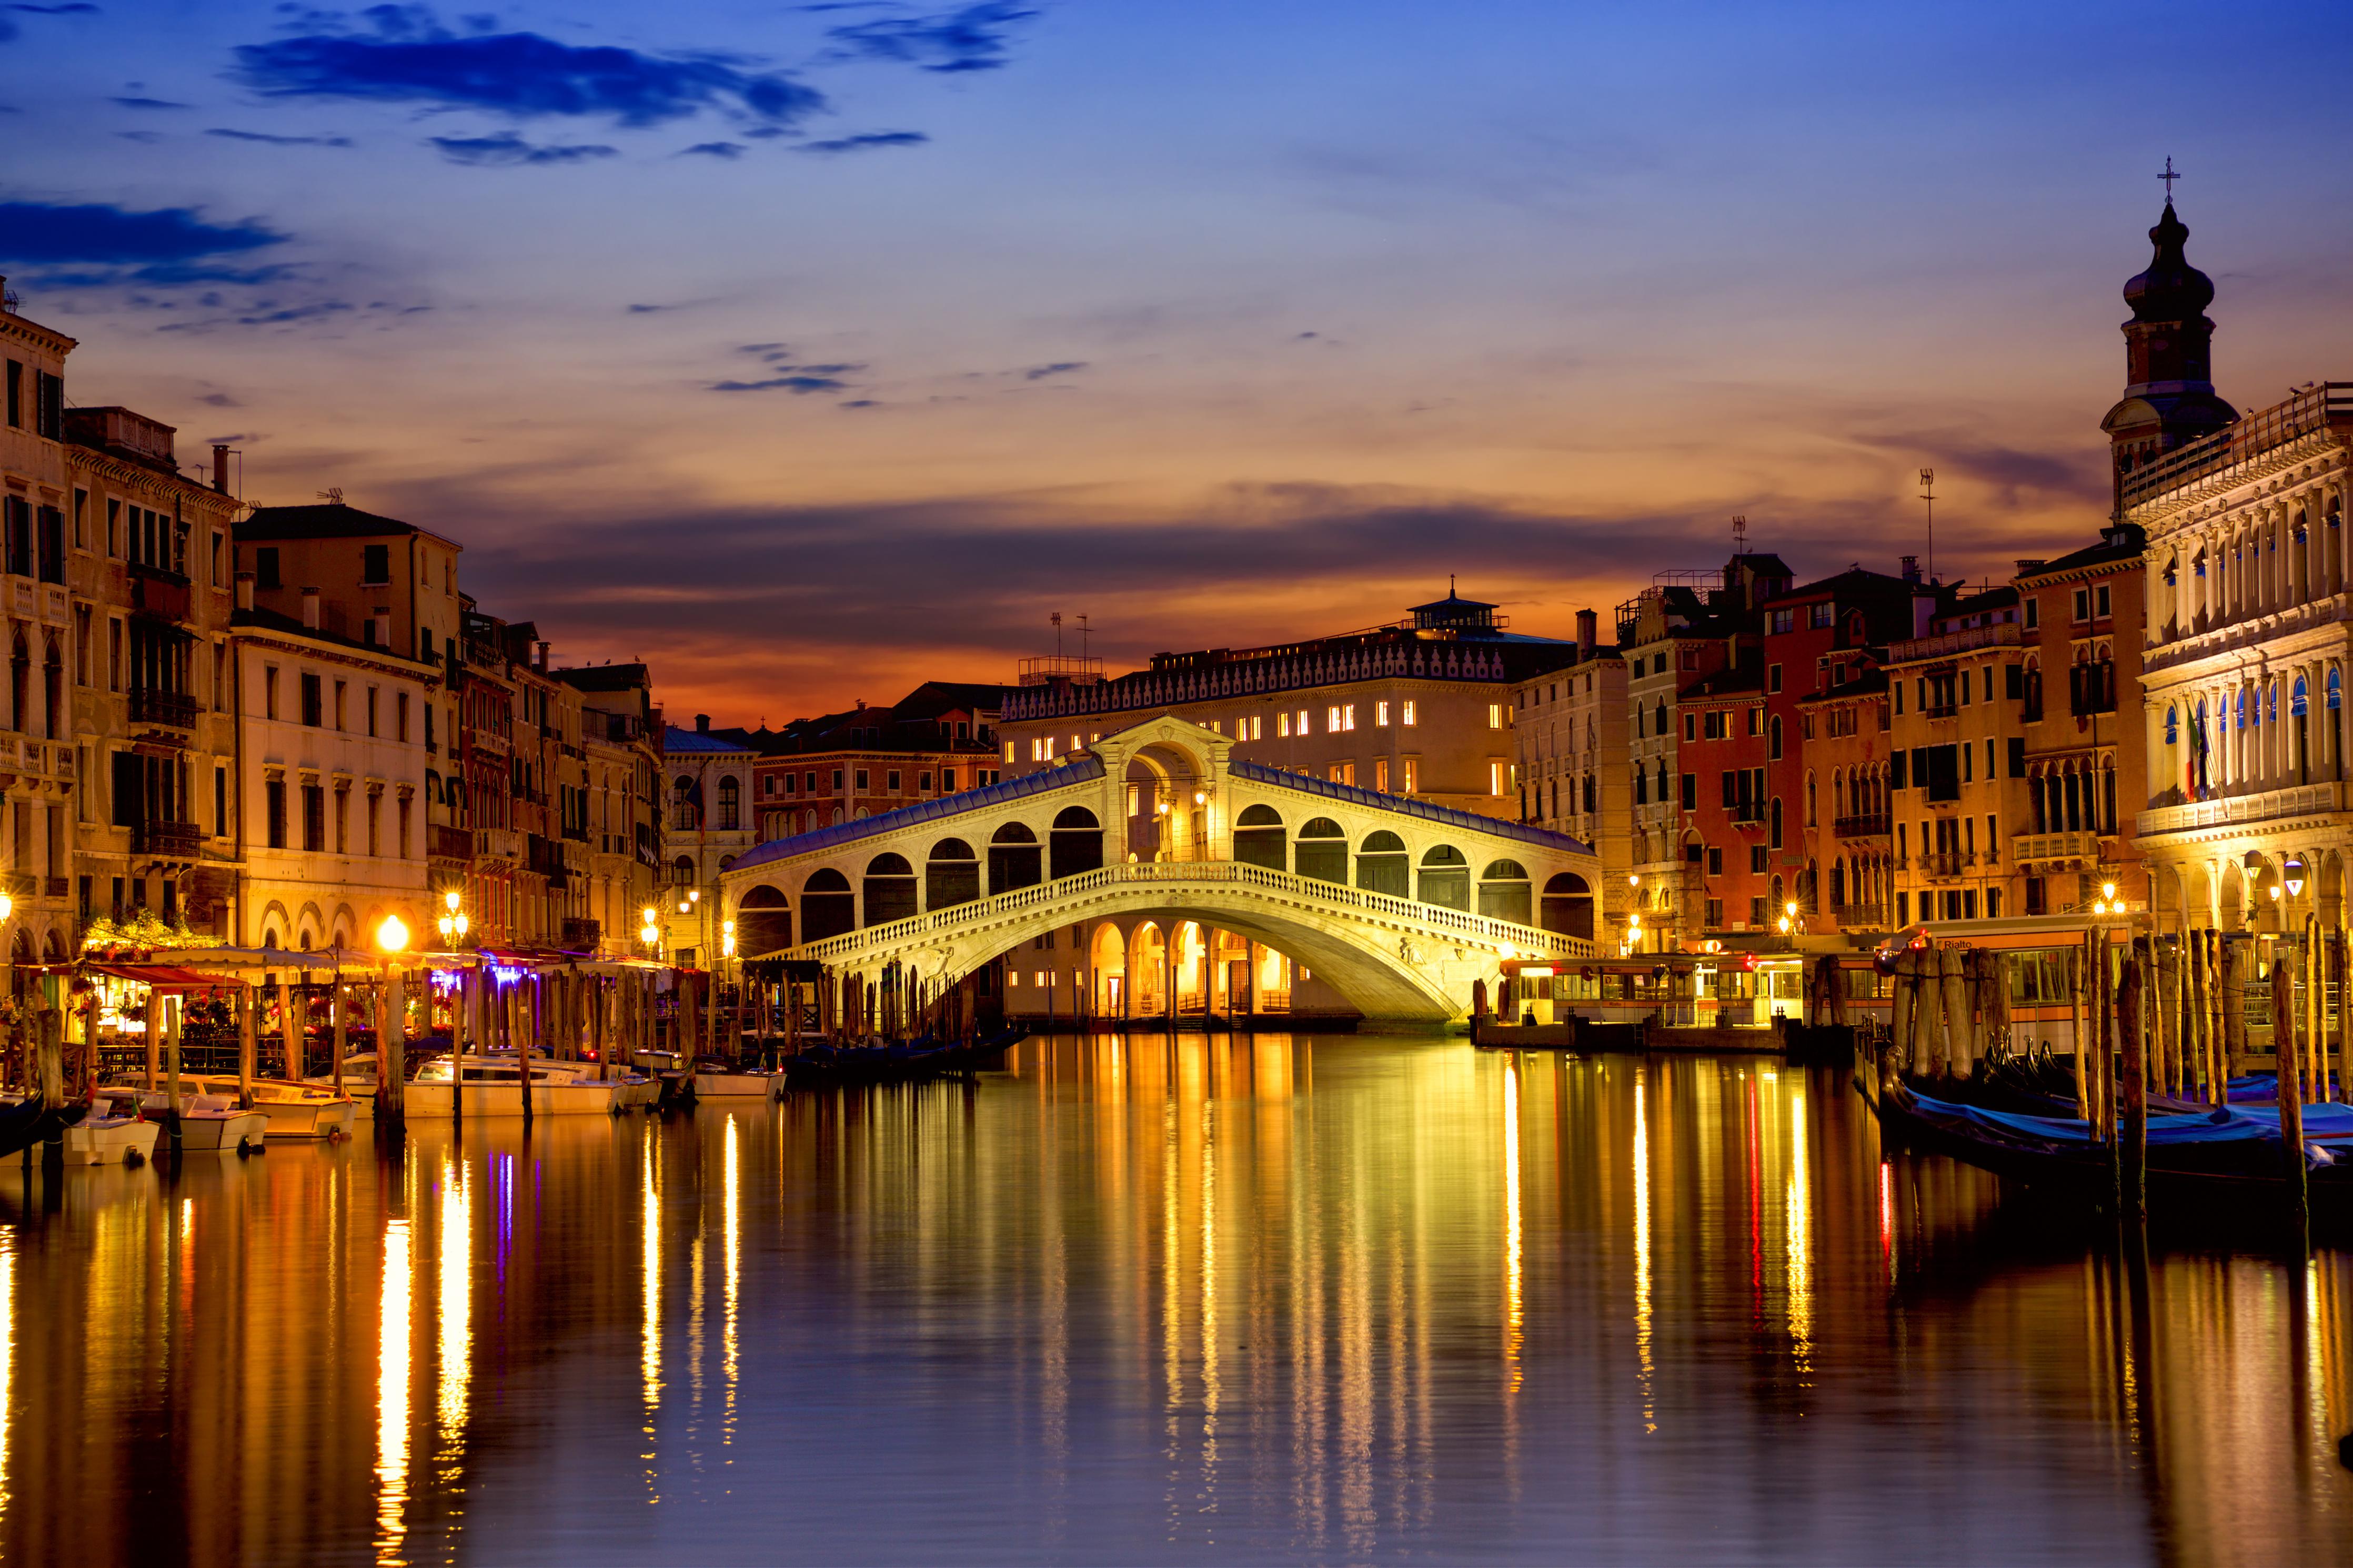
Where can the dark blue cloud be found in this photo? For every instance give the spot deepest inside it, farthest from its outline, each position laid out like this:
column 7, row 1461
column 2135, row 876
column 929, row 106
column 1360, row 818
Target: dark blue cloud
column 267, row 140
column 72, row 10
column 507, row 150
column 793, row 384
column 727, row 149
column 971, row 39
column 147, row 103
column 408, row 57
column 1064, row 367
column 866, row 142
column 167, row 245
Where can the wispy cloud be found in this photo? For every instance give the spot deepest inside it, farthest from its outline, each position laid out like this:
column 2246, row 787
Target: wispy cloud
column 970, row 39
column 726, row 151
column 507, row 150
column 164, row 245
column 1064, row 367
column 136, row 102
column 870, row 142
column 408, row 56
column 798, row 384
column 267, row 140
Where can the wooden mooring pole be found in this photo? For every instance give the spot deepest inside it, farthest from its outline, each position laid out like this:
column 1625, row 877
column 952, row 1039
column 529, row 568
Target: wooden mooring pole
column 2133, row 1135
column 2291, row 1098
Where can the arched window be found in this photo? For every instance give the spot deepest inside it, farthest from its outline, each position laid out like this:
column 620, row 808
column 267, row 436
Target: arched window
column 728, row 799
column 952, row 875
column 1503, row 892
column 1322, row 851
column 1259, row 839
column 1775, row 823
column 1811, row 819
column 686, row 806
column 1567, row 906
column 890, row 889
column 2296, row 703
column 764, row 923
column 1013, row 859
column 681, row 871
column 2172, row 728
column 827, row 906
column 1381, row 865
column 1074, row 843
column 2336, row 690
column 1773, row 739
column 1445, row 878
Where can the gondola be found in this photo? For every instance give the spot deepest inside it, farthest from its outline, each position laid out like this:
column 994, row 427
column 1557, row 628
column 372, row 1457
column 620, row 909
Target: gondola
column 2228, row 1157
column 31, row 1120
column 828, row 1065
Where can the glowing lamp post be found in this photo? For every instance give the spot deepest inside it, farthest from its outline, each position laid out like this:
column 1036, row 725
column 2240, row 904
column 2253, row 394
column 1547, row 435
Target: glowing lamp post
column 452, row 923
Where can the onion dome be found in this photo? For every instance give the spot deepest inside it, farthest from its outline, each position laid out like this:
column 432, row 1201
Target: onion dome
column 2172, row 290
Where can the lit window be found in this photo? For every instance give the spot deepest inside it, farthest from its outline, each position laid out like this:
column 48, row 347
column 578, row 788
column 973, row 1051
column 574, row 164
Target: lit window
column 1077, row 744
column 1217, row 726
column 1495, row 719
column 1009, row 751
column 1332, row 719
column 1348, row 716
column 1407, row 717
column 1135, row 801
column 1283, row 725
column 1381, row 715
column 1039, row 979
column 1303, row 720
column 1410, row 768
column 1496, row 778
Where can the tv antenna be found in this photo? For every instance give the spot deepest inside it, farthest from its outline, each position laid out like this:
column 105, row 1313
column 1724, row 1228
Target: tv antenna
column 1057, row 618
column 1928, row 494
column 332, row 495
column 1083, row 638
column 1740, row 533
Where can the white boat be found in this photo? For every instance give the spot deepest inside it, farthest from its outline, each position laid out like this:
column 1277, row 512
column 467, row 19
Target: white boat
column 493, row 1086
column 721, row 1082
column 293, row 1110
column 359, row 1082
column 210, row 1121
column 112, row 1133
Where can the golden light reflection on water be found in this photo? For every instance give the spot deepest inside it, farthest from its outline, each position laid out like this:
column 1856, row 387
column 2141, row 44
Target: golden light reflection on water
column 1798, row 1238
column 392, row 1330
column 1244, row 1293
column 1645, row 1372
column 455, row 1346
column 1515, row 1323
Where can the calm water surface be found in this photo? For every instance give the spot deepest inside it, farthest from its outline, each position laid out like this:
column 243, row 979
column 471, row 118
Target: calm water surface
column 1321, row 1299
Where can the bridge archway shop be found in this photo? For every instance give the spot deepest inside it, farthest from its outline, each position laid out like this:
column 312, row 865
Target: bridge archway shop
column 1400, row 905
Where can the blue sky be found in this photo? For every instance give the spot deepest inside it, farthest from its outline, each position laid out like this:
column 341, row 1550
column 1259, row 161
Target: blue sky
column 811, row 350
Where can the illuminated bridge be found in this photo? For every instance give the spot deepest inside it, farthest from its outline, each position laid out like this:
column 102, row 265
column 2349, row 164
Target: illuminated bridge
column 1398, row 904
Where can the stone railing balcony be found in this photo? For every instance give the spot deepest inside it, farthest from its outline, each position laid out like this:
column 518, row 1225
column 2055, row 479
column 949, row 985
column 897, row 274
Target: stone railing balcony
column 1864, row 826
column 2269, row 805
column 1860, row 917
column 2056, row 848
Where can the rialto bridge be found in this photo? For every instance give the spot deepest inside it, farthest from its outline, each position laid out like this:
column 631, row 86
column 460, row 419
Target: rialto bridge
column 1398, row 904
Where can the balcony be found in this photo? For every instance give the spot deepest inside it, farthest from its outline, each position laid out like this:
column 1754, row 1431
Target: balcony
column 1860, row 917
column 1941, row 864
column 1746, row 813
column 443, row 842
column 175, row 840
column 1948, row 644
column 2272, row 805
column 159, row 592
column 2056, row 848
column 577, row 833
column 582, row 935
column 2217, row 457
column 171, row 708
column 1866, row 826
column 498, row 843
column 1941, row 711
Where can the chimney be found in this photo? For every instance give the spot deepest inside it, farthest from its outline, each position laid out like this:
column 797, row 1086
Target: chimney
column 703, row 723
column 311, row 609
column 1589, row 633
column 220, row 467
column 2025, row 565
column 541, row 664
column 1911, row 568
column 245, row 589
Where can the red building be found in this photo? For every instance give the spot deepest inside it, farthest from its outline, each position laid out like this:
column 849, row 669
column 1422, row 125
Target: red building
column 1731, row 827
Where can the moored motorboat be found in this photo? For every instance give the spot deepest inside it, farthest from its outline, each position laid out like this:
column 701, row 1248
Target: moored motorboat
column 207, row 1122
column 716, row 1079
column 493, row 1085
column 112, row 1133
column 293, row 1110
column 359, row 1082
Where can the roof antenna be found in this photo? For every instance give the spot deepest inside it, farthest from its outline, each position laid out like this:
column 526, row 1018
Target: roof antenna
column 1082, row 639
column 332, row 495
column 1928, row 494
column 1740, row 533
column 1057, row 618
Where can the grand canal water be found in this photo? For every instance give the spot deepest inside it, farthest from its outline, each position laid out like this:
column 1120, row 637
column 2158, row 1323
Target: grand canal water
column 1327, row 1300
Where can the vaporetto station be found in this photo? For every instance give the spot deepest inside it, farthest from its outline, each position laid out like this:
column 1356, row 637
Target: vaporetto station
column 1179, row 867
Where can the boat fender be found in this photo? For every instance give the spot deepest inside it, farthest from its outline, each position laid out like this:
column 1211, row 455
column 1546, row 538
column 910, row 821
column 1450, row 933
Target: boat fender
column 2315, row 1156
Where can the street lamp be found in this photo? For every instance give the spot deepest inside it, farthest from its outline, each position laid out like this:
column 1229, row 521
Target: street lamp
column 2294, row 872
column 392, row 936
column 650, row 934
column 452, row 923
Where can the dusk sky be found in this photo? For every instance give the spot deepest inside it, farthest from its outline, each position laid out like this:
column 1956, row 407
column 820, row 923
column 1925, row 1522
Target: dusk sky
column 809, row 352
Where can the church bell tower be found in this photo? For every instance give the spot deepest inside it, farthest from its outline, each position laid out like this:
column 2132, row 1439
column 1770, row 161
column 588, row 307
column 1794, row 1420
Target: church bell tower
column 2168, row 368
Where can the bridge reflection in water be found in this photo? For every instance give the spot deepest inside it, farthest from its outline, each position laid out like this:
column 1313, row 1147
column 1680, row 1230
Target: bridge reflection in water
column 1136, row 1298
